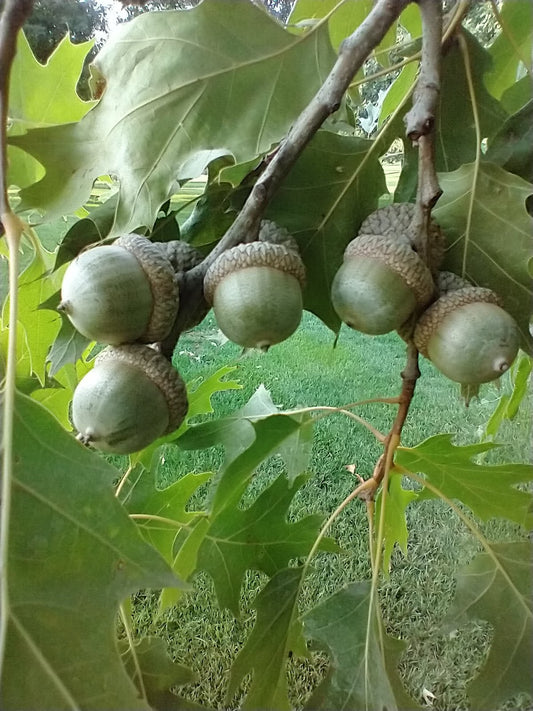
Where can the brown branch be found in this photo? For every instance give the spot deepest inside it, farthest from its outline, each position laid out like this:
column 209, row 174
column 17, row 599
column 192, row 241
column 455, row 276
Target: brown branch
column 353, row 52
column 13, row 16
column 410, row 375
column 420, row 123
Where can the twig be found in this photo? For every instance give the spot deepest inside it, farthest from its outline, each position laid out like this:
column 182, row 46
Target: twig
column 353, row 52
column 410, row 375
column 420, row 123
column 13, row 16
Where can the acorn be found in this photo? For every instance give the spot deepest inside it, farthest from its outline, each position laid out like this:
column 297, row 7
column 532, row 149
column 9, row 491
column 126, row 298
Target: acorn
column 130, row 398
column 255, row 289
column 381, row 282
column 468, row 336
column 121, row 293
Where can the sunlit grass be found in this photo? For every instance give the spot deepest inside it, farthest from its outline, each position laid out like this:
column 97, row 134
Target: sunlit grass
column 308, row 370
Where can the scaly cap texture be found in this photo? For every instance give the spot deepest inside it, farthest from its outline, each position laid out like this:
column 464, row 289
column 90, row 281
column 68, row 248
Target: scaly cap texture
column 163, row 284
column 395, row 221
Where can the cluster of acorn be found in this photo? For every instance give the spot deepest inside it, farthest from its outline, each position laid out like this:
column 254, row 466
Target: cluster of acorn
column 383, row 283
column 126, row 295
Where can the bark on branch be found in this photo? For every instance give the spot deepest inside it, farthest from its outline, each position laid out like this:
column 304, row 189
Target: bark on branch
column 420, row 122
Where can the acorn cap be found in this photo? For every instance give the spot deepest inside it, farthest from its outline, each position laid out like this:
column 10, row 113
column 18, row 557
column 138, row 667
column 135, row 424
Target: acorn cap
column 431, row 319
column 162, row 281
column 180, row 254
column 399, row 257
column 394, row 221
column 448, row 281
column 269, row 231
column 253, row 254
column 160, row 372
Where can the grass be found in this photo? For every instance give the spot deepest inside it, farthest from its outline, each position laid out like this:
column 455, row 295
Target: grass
column 306, row 370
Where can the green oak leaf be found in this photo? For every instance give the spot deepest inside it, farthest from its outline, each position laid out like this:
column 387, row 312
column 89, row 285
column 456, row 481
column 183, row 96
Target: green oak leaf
column 496, row 586
column 68, row 347
column 74, row 555
column 258, row 537
column 363, row 660
column 31, row 87
column 516, row 390
column 488, row 490
column 158, row 673
column 511, row 146
column 512, row 46
column 91, row 229
column 276, row 633
column 395, row 531
column 483, row 214
column 236, row 433
column 333, row 186
column 37, row 284
column 193, row 100
column 140, row 496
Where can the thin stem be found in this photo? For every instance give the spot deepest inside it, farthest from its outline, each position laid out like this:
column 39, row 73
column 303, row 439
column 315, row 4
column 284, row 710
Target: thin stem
column 131, row 643
column 123, row 480
column 13, row 231
column 158, row 519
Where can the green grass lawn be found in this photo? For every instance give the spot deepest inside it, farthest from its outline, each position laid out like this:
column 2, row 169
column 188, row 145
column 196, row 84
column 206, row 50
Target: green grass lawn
column 307, row 370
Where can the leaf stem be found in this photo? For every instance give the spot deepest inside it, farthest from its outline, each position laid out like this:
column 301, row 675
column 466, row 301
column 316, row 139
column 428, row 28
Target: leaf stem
column 131, row 644
column 13, row 16
column 13, row 231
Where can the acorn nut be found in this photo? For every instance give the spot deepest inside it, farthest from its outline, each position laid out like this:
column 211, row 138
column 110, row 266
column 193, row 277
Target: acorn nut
column 255, row 289
column 130, row 398
column 380, row 283
column 468, row 336
column 121, row 293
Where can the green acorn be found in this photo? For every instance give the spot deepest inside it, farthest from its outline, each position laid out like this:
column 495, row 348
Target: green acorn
column 468, row 336
column 121, row 293
column 256, row 293
column 130, row 398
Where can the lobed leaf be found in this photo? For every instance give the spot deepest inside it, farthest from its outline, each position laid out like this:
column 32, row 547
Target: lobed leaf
column 395, row 530
column 363, row 672
column 31, row 87
column 183, row 94
column 488, row 490
column 496, row 586
column 276, row 634
column 259, row 537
